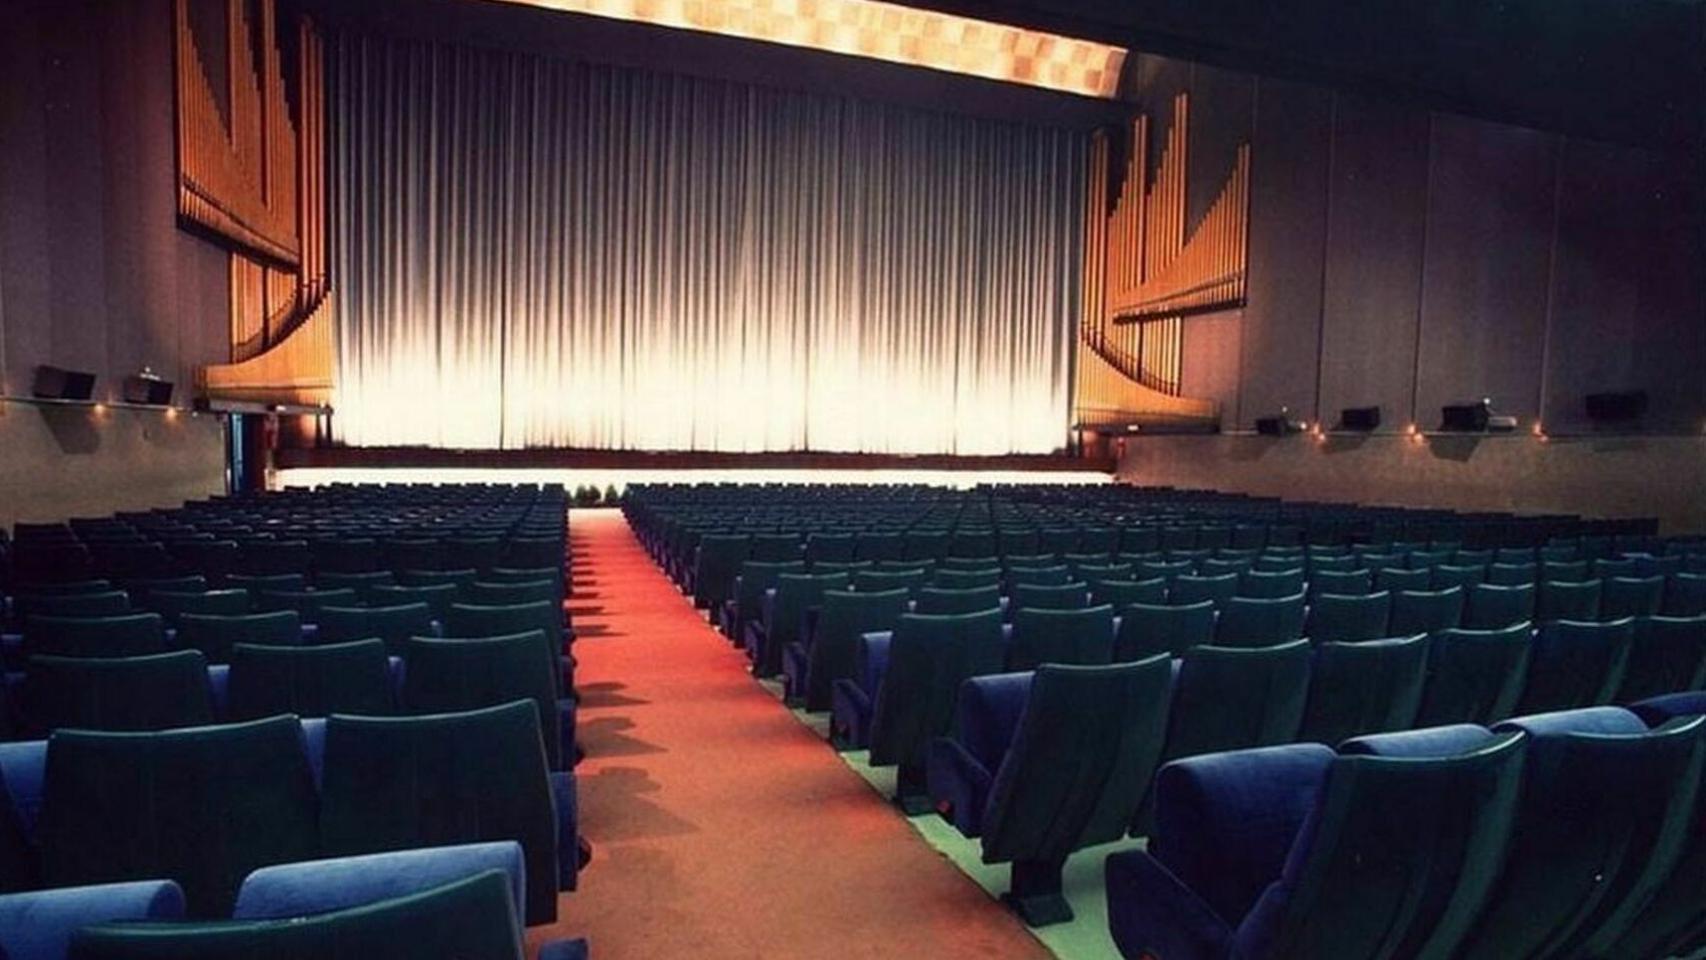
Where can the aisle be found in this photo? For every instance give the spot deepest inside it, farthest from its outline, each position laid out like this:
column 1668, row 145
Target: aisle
column 721, row 826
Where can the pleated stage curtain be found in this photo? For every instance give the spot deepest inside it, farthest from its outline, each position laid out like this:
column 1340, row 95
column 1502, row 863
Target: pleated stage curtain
column 538, row 253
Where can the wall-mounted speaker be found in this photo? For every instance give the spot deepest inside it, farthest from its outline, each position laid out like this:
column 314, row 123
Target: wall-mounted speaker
column 1467, row 417
column 1623, row 405
column 147, row 389
column 1364, row 419
column 58, row 383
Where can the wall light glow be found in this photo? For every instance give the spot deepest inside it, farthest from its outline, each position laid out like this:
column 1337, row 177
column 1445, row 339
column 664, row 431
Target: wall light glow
column 884, row 31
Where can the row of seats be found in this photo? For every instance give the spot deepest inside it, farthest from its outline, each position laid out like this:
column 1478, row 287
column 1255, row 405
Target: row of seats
column 1573, row 834
column 430, row 743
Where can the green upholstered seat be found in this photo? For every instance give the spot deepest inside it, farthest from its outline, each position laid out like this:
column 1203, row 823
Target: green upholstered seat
column 928, row 658
column 1271, row 584
column 1347, row 583
column 1576, row 665
column 937, row 600
column 104, row 603
column 1512, row 574
column 1667, row 655
column 1255, row 622
column 1567, row 601
column 483, row 593
column 845, row 617
column 1344, row 618
column 1368, row 687
column 362, row 582
column 1147, row 629
column 438, row 596
column 393, row 783
column 390, row 624
column 1230, row 698
column 172, row 605
column 154, row 692
column 1039, row 576
column 460, row 577
column 777, row 548
column 795, row 594
column 1122, row 593
column 203, row 806
column 882, row 581
column 467, row 918
column 1425, row 611
column 1491, row 606
column 214, row 636
column 309, row 604
column 1189, row 589
column 1064, row 596
column 1073, row 636
column 1631, row 597
column 829, row 548
column 716, row 565
column 1685, row 595
column 966, row 579
column 260, row 583
column 756, row 577
column 446, row 676
column 125, row 635
column 311, row 681
column 1474, row 676
column 877, row 545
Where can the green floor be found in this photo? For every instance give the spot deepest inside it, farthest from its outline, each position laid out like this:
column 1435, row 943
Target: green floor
column 1085, row 938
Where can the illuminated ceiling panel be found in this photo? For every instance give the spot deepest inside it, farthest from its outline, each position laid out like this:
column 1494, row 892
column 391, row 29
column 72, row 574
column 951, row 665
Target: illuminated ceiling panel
column 884, row 31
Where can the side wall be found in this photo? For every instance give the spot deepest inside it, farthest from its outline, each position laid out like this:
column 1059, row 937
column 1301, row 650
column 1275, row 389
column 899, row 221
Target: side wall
column 94, row 272
column 1414, row 259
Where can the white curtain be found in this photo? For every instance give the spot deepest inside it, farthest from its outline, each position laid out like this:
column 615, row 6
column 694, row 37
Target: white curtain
column 537, row 253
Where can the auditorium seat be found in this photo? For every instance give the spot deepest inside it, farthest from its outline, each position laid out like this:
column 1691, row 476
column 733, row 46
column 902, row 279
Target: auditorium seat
column 362, row 582
column 1631, row 597
column 1452, row 575
column 1474, row 676
column 115, row 694
column 1188, row 589
column 1685, row 595
column 1033, row 576
column 482, row 553
column 810, row 672
column 904, row 693
column 390, row 624
column 747, row 603
column 439, row 597
column 343, row 556
column 309, row 604
column 1606, row 568
column 1047, row 762
column 413, row 553
column 172, row 605
column 273, row 557
column 127, row 635
column 1091, row 572
column 504, row 594
column 1401, row 580
column 1271, row 585
column 260, row 584
column 1576, row 665
column 1666, row 655
column 1251, row 622
column 1292, row 851
column 316, row 681
column 215, row 635
column 1065, row 596
column 1491, row 606
column 460, row 578
column 1577, row 600
column 937, row 600
column 393, row 783
column 1603, row 807
column 1346, row 618
column 1123, row 593
column 777, row 548
column 768, row 635
column 1367, row 687
column 948, row 578
column 1083, row 635
column 105, row 603
column 1344, row 583
column 1673, row 923
column 883, row 581
column 202, row 806
column 1425, row 611
column 39, row 924
column 716, row 565
column 1504, row 574
column 1147, row 629
column 446, row 676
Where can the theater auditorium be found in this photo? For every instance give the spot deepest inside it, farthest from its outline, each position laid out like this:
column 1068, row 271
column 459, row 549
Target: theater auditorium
column 835, row 479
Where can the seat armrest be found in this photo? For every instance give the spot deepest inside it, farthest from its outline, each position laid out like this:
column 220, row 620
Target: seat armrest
column 566, row 802
column 219, row 684
column 873, row 660
column 314, row 744
column 564, row 950
column 988, row 712
column 1152, row 913
column 959, row 784
column 38, row 925
column 322, row 886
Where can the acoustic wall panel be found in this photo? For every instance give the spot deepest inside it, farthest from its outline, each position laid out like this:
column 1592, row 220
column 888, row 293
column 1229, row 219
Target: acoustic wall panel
column 1376, row 207
column 1281, row 340
column 1483, row 300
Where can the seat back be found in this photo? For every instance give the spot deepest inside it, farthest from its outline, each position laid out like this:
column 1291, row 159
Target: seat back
column 1631, row 597
column 1576, row 665
column 1122, row 593
column 1347, row 583
column 393, row 624
column 1050, row 575
column 126, row 635
column 1147, row 629
column 1082, row 758
column 315, row 681
column 1395, row 858
column 944, row 602
column 1064, row 596
column 1425, row 611
column 1494, row 607
column 1567, row 601
column 203, row 806
column 1685, row 595
column 307, row 603
column 503, row 594
column 1474, row 676
column 446, row 676
column 1343, row 618
column 171, row 605
column 882, row 581
column 844, row 618
column 1604, row 803
column 1187, row 589
column 966, row 579
column 1371, row 686
column 360, row 581
column 437, row 596
column 1074, row 636
column 1271, row 584
column 795, row 593
column 1666, row 655
column 214, row 635
column 718, row 563
column 1232, row 698
column 1253, row 622
column 154, row 692
column 928, row 658
column 394, row 783
column 104, row 603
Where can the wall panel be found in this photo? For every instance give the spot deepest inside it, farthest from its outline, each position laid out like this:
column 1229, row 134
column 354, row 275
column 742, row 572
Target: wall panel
column 1483, row 299
column 1376, row 207
column 1280, row 346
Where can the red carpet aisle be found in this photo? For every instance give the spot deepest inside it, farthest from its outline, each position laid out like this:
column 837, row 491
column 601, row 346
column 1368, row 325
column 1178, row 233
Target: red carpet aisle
column 722, row 827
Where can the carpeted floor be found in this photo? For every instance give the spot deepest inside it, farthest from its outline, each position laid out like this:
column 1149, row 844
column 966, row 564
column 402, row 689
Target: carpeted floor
column 721, row 826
